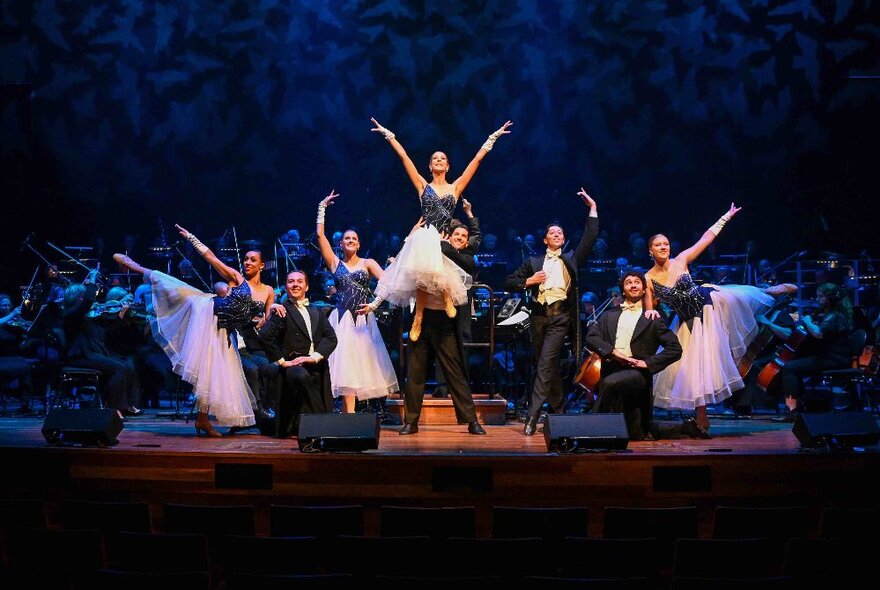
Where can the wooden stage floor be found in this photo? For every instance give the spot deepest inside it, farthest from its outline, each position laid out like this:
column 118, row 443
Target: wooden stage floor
column 747, row 462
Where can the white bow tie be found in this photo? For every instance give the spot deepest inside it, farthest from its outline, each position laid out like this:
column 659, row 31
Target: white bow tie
column 302, row 303
column 553, row 253
column 630, row 306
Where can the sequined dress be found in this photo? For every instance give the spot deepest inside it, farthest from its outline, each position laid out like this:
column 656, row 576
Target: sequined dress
column 191, row 327
column 360, row 365
column 420, row 264
column 714, row 325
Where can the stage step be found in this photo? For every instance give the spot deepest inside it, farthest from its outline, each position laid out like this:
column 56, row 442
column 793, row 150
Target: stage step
column 441, row 411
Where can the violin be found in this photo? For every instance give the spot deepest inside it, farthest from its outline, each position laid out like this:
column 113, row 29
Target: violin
column 113, row 308
column 20, row 323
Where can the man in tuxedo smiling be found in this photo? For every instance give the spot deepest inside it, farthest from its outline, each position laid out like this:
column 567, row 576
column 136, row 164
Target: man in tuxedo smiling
column 628, row 344
column 299, row 338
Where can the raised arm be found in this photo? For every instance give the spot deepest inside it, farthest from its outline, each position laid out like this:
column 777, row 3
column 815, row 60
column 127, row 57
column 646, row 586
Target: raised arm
column 591, row 232
column 418, row 181
column 462, row 181
column 691, row 254
column 327, row 253
column 475, row 237
column 228, row 273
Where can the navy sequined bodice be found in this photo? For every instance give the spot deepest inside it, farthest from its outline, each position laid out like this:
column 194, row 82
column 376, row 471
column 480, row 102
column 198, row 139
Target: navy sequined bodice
column 237, row 308
column 437, row 210
column 684, row 297
column 352, row 288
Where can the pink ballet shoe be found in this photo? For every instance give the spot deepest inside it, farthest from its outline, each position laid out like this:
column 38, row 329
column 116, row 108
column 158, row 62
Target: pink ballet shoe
column 781, row 289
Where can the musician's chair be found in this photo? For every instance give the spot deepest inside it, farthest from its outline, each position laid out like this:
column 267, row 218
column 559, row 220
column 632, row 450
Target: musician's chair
column 854, row 378
column 78, row 387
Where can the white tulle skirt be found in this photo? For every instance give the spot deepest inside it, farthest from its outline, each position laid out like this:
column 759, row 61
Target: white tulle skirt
column 421, row 265
column 708, row 372
column 185, row 327
column 360, row 365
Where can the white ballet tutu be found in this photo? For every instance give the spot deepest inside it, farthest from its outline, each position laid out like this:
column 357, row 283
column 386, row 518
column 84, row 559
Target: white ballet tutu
column 185, row 327
column 421, row 265
column 708, row 371
column 360, row 365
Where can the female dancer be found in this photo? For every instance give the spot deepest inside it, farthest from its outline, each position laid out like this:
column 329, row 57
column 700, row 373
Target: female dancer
column 191, row 326
column 420, row 267
column 360, row 367
column 714, row 325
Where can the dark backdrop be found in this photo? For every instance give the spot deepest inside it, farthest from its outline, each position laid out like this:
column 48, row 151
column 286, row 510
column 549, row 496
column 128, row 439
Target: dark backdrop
column 119, row 116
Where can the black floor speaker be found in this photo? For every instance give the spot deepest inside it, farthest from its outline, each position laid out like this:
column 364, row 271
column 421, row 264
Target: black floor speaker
column 836, row 429
column 338, row 432
column 572, row 433
column 97, row 427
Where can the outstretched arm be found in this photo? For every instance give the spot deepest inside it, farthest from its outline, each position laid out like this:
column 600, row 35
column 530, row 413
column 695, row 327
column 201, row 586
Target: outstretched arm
column 591, row 232
column 327, row 252
column 475, row 237
column 227, row 272
column 408, row 165
column 694, row 251
column 462, row 181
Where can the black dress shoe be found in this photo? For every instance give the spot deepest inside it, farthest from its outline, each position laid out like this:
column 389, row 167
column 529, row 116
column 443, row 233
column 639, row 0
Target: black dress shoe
column 691, row 428
column 132, row 411
column 531, row 426
column 475, row 428
column 264, row 414
column 409, row 429
column 789, row 416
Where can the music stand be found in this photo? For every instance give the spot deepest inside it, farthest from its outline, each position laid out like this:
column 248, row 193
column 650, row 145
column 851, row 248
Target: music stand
column 177, row 414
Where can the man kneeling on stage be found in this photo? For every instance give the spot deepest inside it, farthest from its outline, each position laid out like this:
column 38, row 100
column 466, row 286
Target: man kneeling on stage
column 299, row 338
column 628, row 345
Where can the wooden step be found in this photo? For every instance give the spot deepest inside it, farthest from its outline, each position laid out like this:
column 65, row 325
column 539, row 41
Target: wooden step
column 441, row 411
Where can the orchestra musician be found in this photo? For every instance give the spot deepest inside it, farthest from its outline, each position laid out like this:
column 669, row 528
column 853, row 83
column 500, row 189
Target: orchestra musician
column 830, row 329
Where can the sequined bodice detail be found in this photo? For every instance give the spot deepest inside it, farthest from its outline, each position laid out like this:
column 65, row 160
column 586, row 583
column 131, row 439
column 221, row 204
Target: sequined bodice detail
column 352, row 288
column 437, row 210
column 684, row 297
column 237, row 308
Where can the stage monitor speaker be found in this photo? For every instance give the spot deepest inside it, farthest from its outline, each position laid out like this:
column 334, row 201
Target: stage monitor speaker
column 338, row 432
column 572, row 433
column 97, row 427
column 836, row 429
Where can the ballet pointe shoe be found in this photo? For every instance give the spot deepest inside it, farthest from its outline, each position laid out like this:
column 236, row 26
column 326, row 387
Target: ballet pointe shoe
column 450, row 306
column 204, row 425
column 126, row 262
column 781, row 289
column 416, row 329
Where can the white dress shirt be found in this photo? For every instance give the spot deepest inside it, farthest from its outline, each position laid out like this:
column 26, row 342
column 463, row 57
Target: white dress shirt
column 626, row 325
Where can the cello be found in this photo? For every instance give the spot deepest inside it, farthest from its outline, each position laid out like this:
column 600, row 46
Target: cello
column 763, row 339
column 589, row 375
column 786, row 352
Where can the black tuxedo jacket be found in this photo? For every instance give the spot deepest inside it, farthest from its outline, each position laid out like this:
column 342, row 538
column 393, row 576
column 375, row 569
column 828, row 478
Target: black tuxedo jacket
column 288, row 338
column 573, row 259
column 648, row 336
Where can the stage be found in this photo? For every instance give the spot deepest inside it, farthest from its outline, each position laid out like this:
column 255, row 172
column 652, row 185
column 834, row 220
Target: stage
column 749, row 461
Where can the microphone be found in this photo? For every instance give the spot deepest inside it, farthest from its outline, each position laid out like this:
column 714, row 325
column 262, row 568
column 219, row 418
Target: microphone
column 518, row 240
